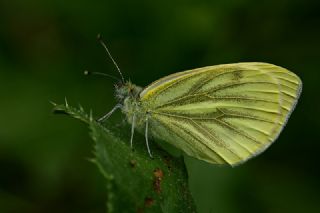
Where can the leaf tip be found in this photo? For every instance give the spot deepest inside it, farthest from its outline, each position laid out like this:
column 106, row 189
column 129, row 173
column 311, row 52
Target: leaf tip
column 66, row 102
column 90, row 116
column 81, row 108
column 53, row 103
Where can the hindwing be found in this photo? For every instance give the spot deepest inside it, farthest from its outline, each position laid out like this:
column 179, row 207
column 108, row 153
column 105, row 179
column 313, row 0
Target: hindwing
column 225, row 113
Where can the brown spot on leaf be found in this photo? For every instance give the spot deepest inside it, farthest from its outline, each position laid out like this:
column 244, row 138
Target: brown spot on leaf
column 158, row 175
column 157, row 185
column 133, row 163
column 167, row 161
column 148, row 201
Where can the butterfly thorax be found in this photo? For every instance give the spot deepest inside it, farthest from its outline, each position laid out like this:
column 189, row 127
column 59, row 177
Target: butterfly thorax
column 128, row 96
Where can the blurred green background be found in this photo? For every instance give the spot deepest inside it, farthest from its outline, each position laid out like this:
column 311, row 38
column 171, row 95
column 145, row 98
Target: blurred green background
column 46, row 45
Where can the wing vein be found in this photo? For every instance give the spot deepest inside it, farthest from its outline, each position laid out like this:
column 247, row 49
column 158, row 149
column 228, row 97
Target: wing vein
column 238, row 131
column 218, row 141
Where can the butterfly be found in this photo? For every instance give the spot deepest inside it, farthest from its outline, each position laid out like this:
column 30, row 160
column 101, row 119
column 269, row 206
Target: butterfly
column 223, row 114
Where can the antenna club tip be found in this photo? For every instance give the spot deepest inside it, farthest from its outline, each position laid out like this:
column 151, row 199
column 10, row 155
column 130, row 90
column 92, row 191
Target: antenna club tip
column 86, row 72
column 99, row 37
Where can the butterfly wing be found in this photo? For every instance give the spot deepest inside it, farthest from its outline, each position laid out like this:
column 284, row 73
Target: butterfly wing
column 225, row 113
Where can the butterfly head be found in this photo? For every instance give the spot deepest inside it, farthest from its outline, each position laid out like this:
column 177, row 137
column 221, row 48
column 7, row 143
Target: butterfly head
column 127, row 90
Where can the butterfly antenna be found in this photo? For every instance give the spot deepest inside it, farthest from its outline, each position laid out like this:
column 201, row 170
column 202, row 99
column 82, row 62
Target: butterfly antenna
column 86, row 72
column 99, row 37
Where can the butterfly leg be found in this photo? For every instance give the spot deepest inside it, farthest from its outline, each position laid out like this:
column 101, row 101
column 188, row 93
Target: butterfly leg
column 132, row 129
column 146, row 136
column 106, row 116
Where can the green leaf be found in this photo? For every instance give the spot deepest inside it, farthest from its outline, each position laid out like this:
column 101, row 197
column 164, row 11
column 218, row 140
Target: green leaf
column 135, row 182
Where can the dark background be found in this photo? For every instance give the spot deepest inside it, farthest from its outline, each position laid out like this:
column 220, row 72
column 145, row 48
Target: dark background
column 46, row 45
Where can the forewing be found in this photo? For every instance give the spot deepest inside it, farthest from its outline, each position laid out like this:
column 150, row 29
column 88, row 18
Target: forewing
column 225, row 113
